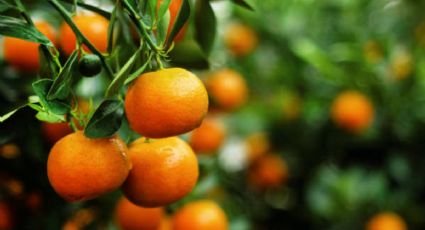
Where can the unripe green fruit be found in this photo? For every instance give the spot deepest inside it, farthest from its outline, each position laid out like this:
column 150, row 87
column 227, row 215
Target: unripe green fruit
column 90, row 65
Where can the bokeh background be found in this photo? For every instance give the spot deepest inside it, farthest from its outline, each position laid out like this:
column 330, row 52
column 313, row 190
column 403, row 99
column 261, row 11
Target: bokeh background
column 296, row 57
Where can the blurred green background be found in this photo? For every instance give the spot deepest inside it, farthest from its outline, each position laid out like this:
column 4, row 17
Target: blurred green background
column 307, row 53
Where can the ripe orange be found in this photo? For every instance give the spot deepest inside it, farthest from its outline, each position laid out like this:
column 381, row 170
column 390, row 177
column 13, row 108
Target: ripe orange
column 174, row 9
column 227, row 89
column 240, row 39
column 6, row 217
column 386, row 221
column 132, row 217
column 93, row 26
column 353, row 111
column 200, row 215
column 80, row 168
column 257, row 145
column 23, row 55
column 164, row 171
column 268, row 171
column 165, row 224
column 208, row 137
column 166, row 103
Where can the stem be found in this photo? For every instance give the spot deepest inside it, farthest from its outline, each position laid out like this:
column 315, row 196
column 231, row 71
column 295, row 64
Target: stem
column 80, row 36
column 112, row 27
column 95, row 9
column 142, row 27
column 159, row 62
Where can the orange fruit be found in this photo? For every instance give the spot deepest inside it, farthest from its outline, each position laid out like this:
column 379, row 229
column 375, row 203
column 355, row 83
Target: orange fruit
column 386, row 221
column 174, row 9
column 80, row 168
column 353, row 111
column 10, row 151
column 268, row 171
column 164, row 171
column 208, row 137
column 6, row 216
column 23, row 55
column 165, row 224
column 93, row 26
column 200, row 215
column 227, row 89
column 257, row 145
column 166, row 103
column 132, row 217
column 240, row 39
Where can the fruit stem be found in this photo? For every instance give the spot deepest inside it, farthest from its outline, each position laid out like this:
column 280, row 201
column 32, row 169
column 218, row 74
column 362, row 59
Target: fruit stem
column 80, row 36
column 135, row 17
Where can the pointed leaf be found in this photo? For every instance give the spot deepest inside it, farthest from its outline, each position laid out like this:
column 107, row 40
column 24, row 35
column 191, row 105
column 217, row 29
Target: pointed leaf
column 244, row 4
column 4, row 6
column 17, row 28
column 106, row 120
column 205, row 24
column 61, row 86
column 182, row 17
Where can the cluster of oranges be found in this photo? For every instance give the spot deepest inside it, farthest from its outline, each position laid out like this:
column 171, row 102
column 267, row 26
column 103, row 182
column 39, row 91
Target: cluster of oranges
column 154, row 170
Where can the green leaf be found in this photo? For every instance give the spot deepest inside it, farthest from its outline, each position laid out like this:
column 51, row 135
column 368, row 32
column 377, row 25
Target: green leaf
column 17, row 28
column 138, row 71
column 4, row 6
column 122, row 75
column 152, row 7
column 93, row 8
column 49, row 117
column 205, row 24
column 243, row 3
column 61, row 86
column 41, row 88
column 182, row 17
column 9, row 114
column 162, row 28
column 49, row 67
column 189, row 54
column 163, row 7
column 106, row 120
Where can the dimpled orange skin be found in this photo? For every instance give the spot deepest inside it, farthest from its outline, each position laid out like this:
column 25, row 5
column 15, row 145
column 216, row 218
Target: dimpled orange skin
column 23, row 55
column 94, row 27
column 353, row 111
column 164, row 171
column 240, row 40
column 227, row 89
column 132, row 217
column 200, row 215
column 386, row 221
column 268, row 171
column 80, row 168
column 208, row 137
column 166, row 103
